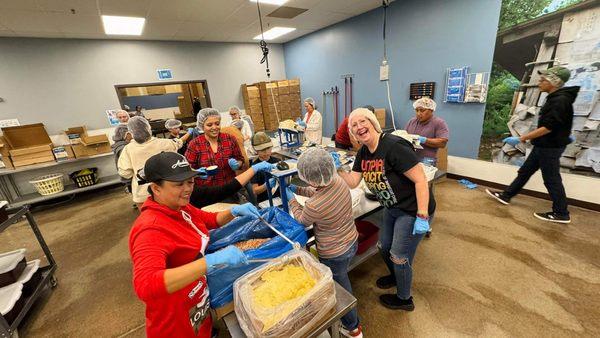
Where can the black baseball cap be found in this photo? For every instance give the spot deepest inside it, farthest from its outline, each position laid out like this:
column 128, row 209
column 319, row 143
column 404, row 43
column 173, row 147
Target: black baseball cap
column 168, row 166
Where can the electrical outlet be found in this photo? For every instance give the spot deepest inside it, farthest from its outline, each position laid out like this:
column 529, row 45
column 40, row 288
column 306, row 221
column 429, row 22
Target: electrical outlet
column 384, row 71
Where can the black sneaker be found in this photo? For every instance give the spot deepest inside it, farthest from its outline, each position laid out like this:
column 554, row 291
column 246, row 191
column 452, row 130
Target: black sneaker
column 552, row 217
column 499, row 196
column 386, row 282
column 392, row 301
column 428, row 234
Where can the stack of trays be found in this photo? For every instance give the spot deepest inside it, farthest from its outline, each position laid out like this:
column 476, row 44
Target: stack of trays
column 18, row 280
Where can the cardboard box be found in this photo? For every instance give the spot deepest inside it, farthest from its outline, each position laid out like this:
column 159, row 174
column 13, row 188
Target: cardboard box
column 294, row 82
column 442, row 159
column 64, row 152
column 253, row 92
column 380, row 114
column 91, row 145
column 26, row 136
column 31, row 155
column 74, row 134
column 223, row 310
column 4, row 154
column 156, row 90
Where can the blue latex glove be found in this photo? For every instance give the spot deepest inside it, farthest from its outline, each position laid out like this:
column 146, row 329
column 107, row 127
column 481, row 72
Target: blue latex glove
column 421, row 226
column 246, row 209
column 234, row 164
column 289, row 194
column 190, row 131
column 512, row 140
column 293, row 188
column 272, row 182
column 571, row 139
column 231, row 255
column 336, row 160
column 422, row 139
column 263, row 166
column 203, row 175
column 300, row 122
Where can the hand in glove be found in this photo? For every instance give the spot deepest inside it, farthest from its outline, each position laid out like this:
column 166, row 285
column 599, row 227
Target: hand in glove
column 301, row 123
column 512, row 140
column 203, row 175
column 263, row 166
column 422, row 139
column 289, row 194
column 272, row 182
column 234, row 164
column 231, row 255
column 293, row 188
column 421, row 226
column 190, row 131
column 246, row 209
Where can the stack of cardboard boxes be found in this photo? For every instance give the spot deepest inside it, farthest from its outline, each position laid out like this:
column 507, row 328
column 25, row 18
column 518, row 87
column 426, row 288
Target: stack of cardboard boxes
column 253, row 105
column 270, row 102
column 31, row 144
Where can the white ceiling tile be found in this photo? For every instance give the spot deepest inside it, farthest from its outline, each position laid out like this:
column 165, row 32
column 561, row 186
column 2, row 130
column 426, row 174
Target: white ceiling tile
column 190, row 29
column 28, row 5
column 75, row 23
column 137, row 8
column 189, row 20
column 160, row 28
column 81, row 7
column 27, row 21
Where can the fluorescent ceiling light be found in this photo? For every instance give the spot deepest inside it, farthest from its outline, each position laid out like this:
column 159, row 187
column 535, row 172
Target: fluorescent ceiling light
column 275, row 32
column 123, row 25
column 271, row 2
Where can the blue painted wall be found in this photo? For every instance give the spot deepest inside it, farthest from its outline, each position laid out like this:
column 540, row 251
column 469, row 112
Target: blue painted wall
column 424, row 38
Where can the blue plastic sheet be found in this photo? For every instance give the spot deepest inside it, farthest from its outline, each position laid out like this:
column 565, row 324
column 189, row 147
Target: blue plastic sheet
column 220, row 280
column 467, row 184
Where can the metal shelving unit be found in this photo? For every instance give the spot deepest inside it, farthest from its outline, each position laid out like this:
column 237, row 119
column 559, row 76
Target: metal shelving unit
column 47, row 272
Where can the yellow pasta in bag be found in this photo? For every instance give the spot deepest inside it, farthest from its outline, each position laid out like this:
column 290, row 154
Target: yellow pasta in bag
column 282, row 285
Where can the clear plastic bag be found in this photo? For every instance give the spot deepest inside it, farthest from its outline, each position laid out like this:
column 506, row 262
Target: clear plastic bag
column 292, row 318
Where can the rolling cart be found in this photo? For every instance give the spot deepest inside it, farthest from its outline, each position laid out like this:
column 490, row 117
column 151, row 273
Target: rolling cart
column 46, row 273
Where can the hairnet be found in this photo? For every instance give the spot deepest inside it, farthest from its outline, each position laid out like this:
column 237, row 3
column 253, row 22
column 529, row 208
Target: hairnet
column 239, row 124
column 121, row 111
column 311, row 101
column 358, row 112
column 369, row 107
column 424, row 102
column 236, row 108
column 204, row 114
column 316, row 167
column 140, row 129
column 172, row 123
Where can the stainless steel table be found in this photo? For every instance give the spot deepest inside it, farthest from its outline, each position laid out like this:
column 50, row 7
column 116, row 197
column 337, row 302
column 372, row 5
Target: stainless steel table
column 344, row 303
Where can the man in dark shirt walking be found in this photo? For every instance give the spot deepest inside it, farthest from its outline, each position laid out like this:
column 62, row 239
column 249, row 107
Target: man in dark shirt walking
column 549, row 141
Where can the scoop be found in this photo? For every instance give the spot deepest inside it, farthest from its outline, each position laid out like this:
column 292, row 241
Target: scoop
column 282, row 165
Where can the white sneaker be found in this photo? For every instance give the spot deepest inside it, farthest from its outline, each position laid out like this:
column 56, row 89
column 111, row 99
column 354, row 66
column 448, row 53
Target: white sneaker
column 356, row 333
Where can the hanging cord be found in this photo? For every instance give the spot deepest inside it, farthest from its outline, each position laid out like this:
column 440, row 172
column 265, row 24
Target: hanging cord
column 265, row 60
column 385, row 4
column 263, row 43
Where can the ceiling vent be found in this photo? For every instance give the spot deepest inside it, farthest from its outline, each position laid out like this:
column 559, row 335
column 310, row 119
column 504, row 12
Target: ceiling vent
column 285, row 12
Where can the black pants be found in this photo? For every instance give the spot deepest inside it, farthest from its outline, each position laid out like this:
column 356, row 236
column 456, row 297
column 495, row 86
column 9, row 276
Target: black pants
column 548, row 161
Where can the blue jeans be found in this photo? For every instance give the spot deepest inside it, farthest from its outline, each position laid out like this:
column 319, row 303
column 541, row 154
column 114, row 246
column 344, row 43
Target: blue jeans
column 397, row 246
column 339, row 269
column 548, row 161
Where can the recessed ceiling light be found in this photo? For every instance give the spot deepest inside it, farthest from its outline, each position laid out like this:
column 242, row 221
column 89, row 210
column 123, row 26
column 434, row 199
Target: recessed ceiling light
column 271, row 2
column 274, row 33
column 123, row 25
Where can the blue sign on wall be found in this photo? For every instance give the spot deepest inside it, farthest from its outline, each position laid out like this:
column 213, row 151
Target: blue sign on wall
column 164, row 74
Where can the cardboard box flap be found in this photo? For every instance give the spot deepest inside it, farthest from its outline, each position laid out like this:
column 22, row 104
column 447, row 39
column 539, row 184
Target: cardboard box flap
column 93, row 140
column 26, row 136
column 30, row 150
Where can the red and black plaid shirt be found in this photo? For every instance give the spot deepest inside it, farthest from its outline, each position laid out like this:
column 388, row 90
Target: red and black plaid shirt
column 199, row 154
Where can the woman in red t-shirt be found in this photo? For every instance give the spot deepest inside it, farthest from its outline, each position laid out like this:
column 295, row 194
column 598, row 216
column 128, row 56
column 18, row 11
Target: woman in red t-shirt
column 167, row 243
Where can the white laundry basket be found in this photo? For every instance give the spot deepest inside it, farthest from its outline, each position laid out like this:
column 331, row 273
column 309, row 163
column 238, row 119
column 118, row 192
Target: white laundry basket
column 48, row 184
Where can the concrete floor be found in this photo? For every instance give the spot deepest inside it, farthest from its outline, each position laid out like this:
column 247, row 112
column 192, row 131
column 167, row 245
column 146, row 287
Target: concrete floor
column 488, row 270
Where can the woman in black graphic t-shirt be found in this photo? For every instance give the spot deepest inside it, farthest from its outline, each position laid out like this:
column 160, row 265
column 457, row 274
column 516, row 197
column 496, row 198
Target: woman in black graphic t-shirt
column 391, row 170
